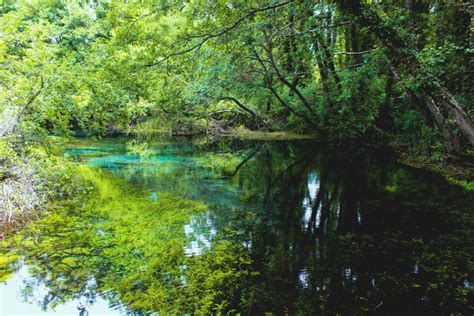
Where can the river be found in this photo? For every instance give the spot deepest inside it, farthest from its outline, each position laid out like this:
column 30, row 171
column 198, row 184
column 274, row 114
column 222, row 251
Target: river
column 174, row 226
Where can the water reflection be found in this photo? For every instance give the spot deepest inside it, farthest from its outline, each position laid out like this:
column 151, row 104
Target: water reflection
column 34, row 291
column 292, row 228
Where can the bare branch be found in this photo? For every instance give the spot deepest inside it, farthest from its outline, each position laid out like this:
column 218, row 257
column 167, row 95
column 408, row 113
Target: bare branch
column 8, row 126
column 356, row 53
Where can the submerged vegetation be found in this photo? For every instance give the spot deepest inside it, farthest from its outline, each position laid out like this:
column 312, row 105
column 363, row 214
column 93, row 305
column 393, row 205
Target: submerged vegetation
column 284, row 234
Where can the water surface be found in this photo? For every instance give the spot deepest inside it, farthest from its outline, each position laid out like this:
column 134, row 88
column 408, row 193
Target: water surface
column 250, row 227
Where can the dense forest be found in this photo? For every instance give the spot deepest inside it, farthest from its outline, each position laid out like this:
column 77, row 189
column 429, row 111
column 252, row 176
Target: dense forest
column 349, row 73
column 392, row 71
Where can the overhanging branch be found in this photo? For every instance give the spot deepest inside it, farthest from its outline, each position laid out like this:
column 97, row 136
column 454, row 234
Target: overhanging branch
column 207, row 37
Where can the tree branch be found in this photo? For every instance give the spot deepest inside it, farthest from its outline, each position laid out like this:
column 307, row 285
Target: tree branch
column 356, row 53
column 282, row 78
column 246, row 109
column 207, row 37
column 143, row 16
column 269, row 86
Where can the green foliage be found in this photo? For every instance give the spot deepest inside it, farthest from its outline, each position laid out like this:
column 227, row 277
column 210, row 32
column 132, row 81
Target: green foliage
column 102, row 67
column 137, row 247
column 110, row 68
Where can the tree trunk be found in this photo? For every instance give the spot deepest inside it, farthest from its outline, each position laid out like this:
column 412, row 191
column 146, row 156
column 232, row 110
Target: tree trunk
column 329, row 61
column 435, row 96
column 324, row 79
column 432, row 115
column 282, row 78
column 257, row 117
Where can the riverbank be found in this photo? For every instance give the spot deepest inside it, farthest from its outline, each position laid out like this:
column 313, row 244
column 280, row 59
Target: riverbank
column 259, row 135
column 454, row 173
column 32, row 177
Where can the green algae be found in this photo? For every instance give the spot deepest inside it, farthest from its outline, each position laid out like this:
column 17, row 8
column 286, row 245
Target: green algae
column 133, row 246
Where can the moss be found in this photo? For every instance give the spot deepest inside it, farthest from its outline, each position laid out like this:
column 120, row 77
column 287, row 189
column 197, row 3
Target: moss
column 454, row 174
column 259, row 135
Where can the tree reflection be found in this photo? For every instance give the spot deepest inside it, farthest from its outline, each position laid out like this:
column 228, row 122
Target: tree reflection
column 362, row 240
column 315, row 230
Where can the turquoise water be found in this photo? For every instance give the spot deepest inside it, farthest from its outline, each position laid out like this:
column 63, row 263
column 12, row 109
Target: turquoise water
column 249, row 227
